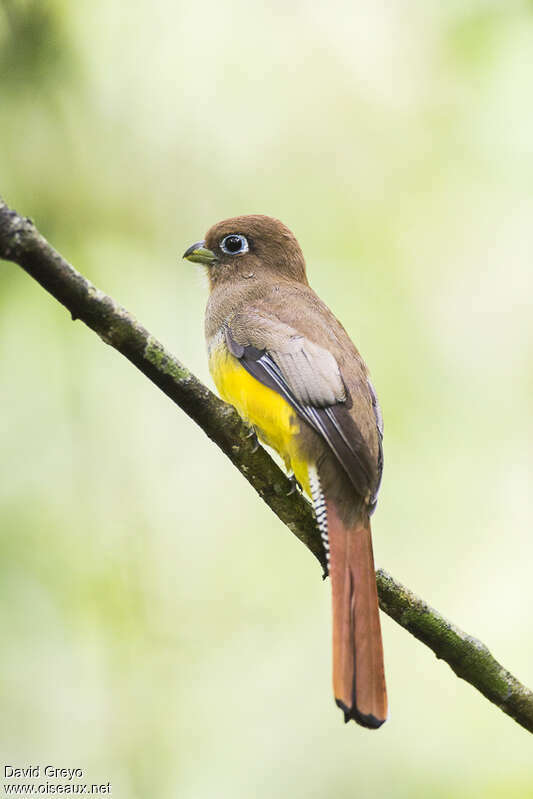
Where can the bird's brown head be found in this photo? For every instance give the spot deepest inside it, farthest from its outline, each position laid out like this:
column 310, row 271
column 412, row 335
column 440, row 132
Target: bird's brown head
column 249, row 247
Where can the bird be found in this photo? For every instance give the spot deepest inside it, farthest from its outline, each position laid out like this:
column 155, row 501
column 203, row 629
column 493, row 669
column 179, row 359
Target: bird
column 279, row 355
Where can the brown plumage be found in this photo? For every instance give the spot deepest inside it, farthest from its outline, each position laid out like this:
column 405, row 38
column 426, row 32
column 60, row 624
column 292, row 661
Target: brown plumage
column 287, row 364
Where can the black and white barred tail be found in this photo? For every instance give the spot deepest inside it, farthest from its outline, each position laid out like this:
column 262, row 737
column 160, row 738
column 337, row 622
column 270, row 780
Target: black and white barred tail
column 319, row 504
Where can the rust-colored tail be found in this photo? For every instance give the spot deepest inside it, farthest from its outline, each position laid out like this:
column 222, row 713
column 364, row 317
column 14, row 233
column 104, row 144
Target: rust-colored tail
column 358, row 671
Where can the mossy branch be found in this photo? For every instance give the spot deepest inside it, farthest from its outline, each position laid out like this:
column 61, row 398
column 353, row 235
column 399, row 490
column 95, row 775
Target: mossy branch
column 470, row 659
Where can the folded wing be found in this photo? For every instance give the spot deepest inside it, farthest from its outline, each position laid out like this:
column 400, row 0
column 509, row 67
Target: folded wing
column 308, row 377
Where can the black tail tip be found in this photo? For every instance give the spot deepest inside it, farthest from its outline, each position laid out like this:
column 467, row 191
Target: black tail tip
column 365, row 720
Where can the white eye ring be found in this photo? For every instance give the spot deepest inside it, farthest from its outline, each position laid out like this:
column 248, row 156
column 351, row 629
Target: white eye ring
column 234, row 244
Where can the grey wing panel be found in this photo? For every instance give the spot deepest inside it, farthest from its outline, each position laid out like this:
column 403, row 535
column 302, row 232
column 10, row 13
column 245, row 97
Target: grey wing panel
column 311, row 371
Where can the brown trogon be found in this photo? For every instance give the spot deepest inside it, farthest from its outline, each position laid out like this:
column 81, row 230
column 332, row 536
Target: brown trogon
column 279, row 355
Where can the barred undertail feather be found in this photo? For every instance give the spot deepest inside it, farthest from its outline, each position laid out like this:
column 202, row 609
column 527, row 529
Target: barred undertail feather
column 319, row 504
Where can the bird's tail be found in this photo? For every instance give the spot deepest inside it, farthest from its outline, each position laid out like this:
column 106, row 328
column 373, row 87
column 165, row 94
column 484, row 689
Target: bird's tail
column 358, row 670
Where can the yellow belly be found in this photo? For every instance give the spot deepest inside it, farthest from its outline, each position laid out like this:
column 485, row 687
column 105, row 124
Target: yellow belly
column 275, row 422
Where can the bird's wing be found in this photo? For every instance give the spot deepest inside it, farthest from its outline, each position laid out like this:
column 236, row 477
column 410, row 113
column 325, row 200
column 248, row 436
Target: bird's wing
column 309, row 379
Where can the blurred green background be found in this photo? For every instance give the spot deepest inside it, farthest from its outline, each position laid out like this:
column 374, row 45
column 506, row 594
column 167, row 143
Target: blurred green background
column 160, row 628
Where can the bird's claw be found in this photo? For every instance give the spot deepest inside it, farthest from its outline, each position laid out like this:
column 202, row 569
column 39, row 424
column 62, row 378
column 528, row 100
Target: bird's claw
column 255, row 441
column 295, row 485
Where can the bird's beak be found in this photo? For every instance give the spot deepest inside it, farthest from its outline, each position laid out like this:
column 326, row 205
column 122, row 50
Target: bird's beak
column 199, row 254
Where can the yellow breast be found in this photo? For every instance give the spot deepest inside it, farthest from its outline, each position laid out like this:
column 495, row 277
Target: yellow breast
column 275, row 422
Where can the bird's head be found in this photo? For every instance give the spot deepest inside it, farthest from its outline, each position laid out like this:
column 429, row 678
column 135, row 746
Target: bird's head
column 249, row 247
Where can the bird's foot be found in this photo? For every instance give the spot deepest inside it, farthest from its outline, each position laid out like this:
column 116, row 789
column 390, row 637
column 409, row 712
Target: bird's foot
column 295, row 485
column 255, row 441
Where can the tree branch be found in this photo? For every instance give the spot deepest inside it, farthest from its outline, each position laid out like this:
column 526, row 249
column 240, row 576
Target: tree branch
column 470, row 659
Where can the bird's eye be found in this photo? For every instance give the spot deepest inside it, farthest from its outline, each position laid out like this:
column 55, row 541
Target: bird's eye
column 234, row 244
